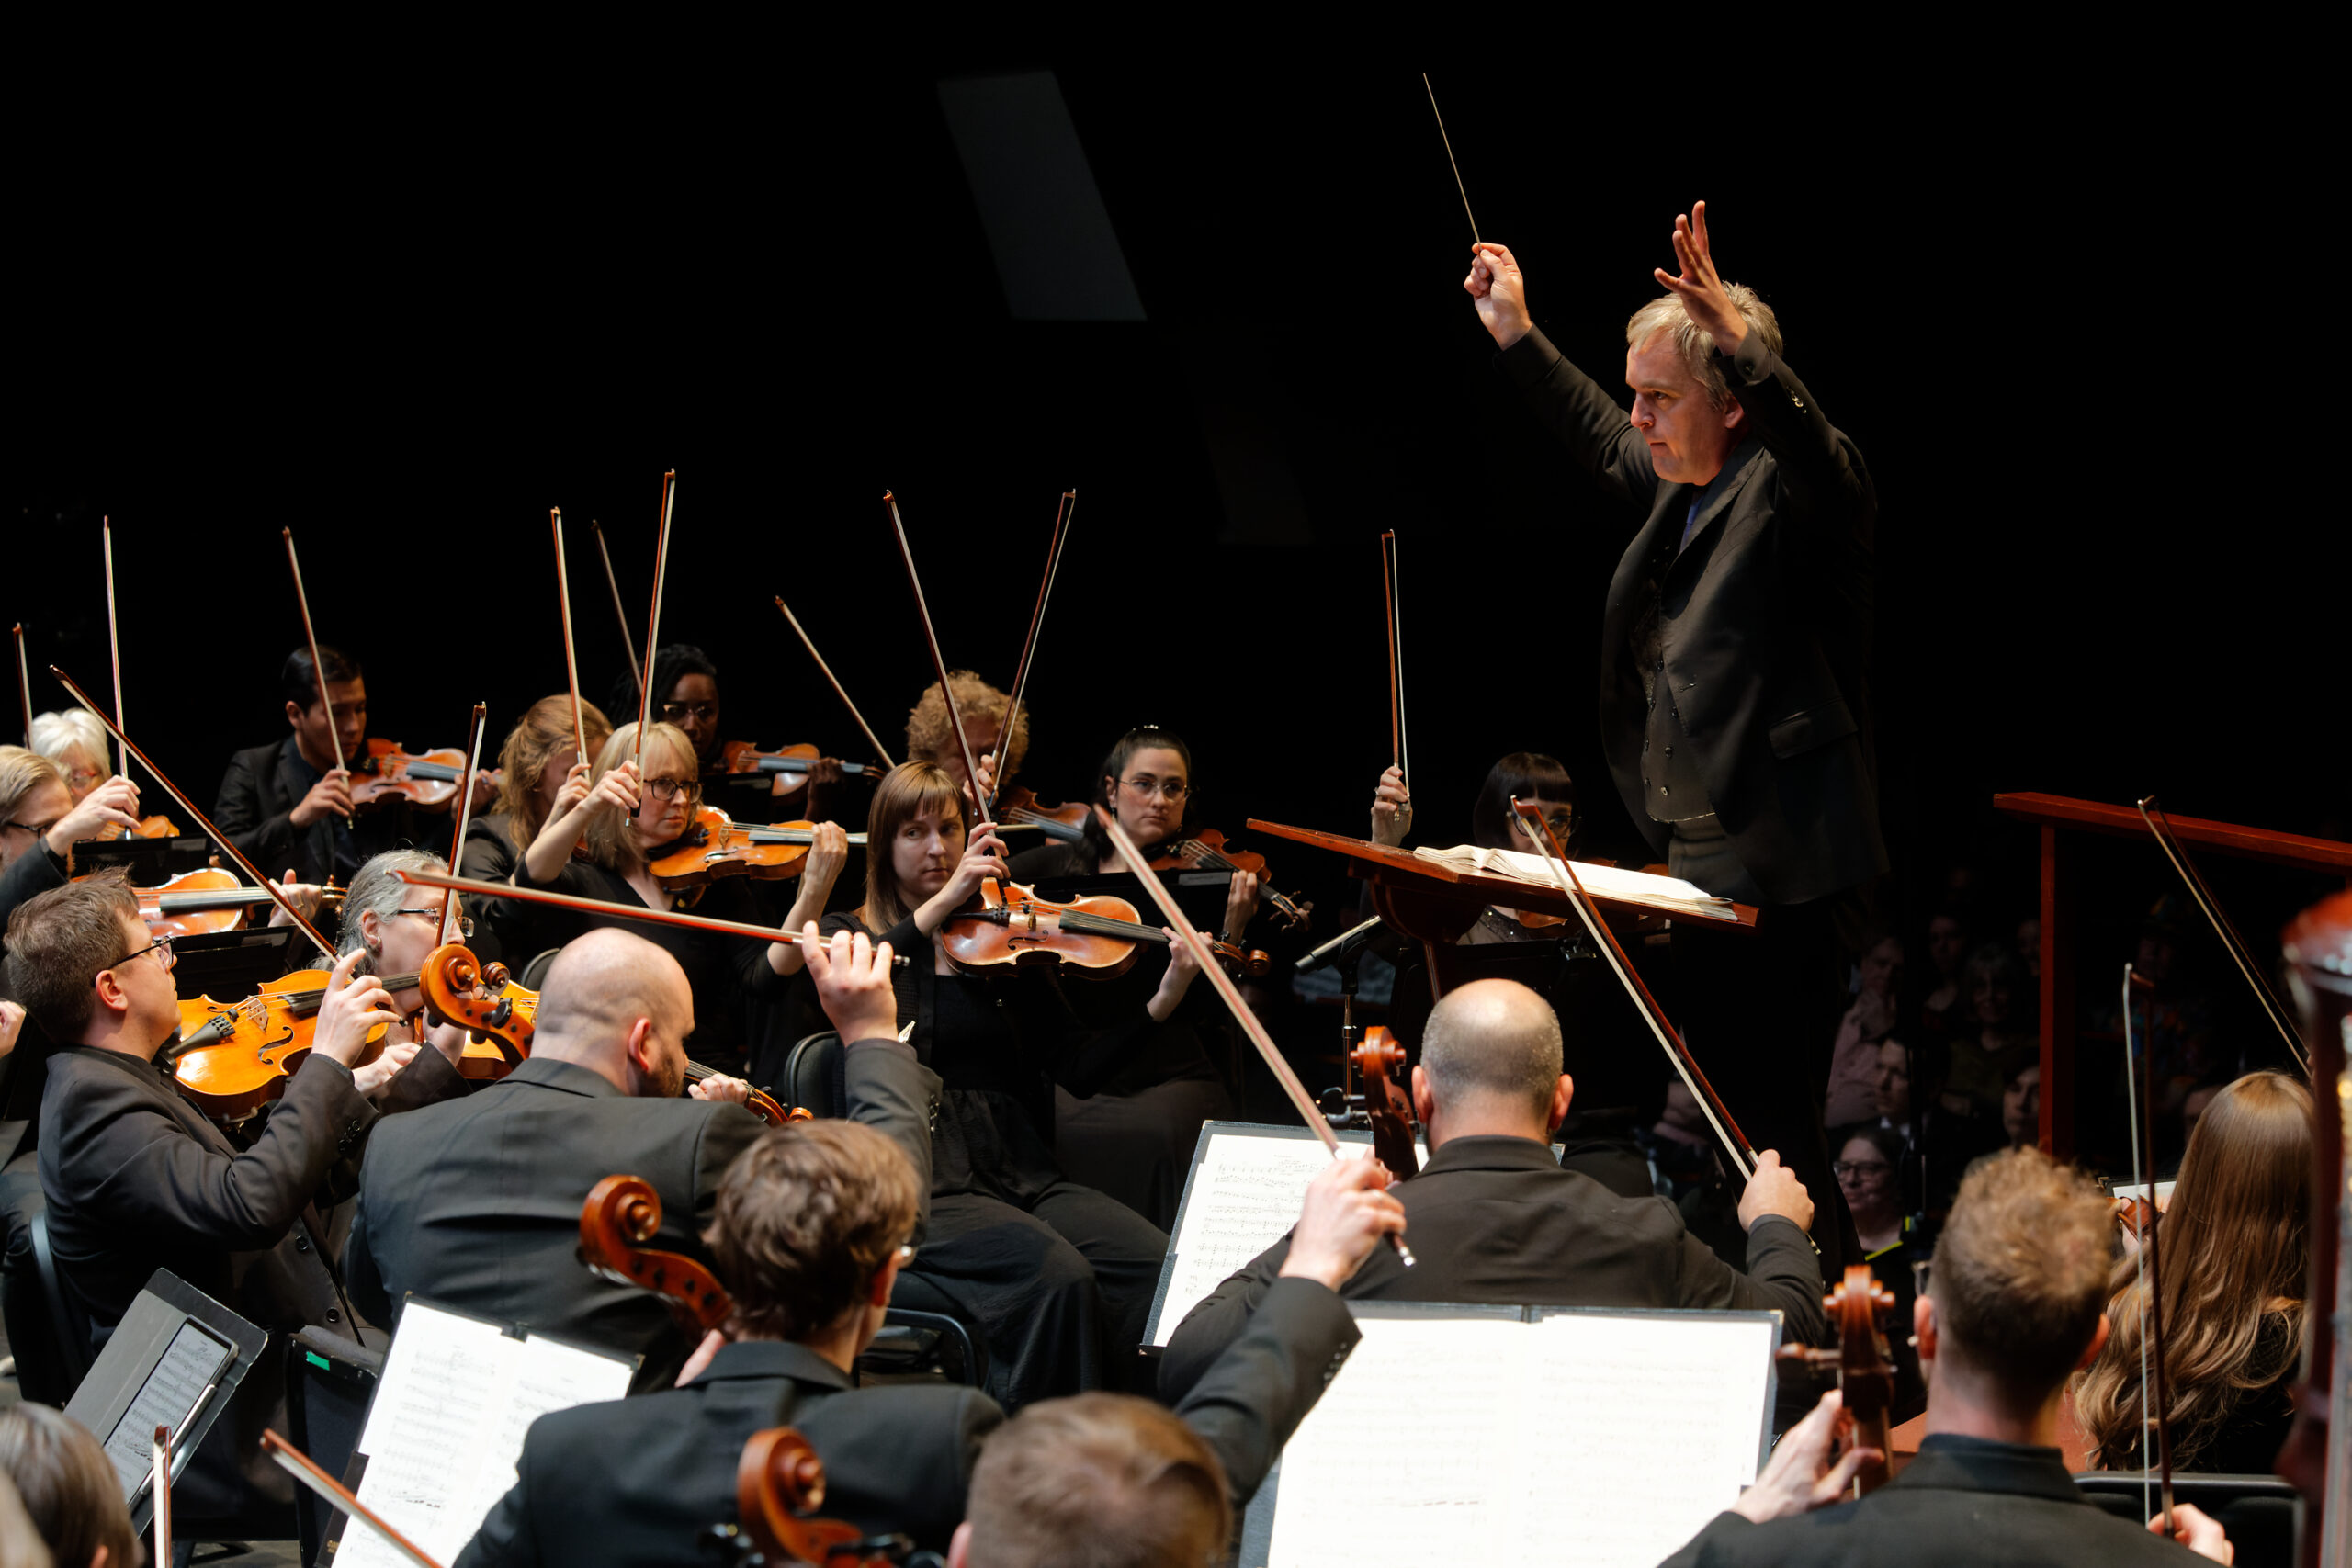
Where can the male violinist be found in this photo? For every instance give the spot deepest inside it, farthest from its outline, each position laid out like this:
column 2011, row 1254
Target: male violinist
column 1734, row 711
column 289, row 803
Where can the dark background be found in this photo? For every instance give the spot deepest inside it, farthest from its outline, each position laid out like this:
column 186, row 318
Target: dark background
column 408, row 326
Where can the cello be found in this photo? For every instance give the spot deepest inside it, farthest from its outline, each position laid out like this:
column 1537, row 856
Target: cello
column 1857, row 1304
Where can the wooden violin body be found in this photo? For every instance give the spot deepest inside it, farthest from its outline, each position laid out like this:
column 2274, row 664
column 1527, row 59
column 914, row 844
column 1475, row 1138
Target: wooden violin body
column 623, row 1213
column 195, row 903
column 1019, row 809
column 426, row 780
column 1094, row 936
column 1206, row 850
column 715, row 845
column 234, row 1057
column 157, row 827
column 788, row 765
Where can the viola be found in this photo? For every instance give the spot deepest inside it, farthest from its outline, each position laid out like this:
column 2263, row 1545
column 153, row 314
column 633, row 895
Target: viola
column 1019, row 809
column 426, row 780
column 501, row 1017
column 1095, row 935
column 790, row 765
column 1206, row 850
column 233, row 1058
column 195, row 903
column 1865, row 1374
column 715, row 846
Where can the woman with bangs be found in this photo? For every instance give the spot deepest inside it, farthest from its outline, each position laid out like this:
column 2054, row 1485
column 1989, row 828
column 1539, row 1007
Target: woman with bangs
column 619, row 820
column 1057, row 1276
column 2233, row 1251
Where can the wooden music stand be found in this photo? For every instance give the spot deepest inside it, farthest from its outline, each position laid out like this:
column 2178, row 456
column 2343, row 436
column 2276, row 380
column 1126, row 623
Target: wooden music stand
column 2056, row 815
column 1434, row 904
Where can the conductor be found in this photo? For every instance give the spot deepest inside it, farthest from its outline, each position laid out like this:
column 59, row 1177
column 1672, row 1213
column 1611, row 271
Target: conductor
column 1734, row 711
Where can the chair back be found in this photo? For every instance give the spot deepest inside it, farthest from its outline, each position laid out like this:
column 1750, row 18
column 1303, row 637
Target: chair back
column 67, row 1323
column 816, row 1075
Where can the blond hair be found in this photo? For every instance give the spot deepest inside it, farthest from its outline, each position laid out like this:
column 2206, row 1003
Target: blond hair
column 23, row 771
column 544, row 729
column 931, row 735
column 2021, row 1271
column 610, row 843
column 1694, row 344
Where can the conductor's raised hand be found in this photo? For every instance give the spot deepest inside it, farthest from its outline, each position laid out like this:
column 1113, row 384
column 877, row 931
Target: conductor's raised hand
column 1699, row 287
column 354, row 1009
column 1392, row 809
column 1800, row 1477
column 1500, row 290
column 852, row 974
column 1775, row 1190
column 1347, row 1211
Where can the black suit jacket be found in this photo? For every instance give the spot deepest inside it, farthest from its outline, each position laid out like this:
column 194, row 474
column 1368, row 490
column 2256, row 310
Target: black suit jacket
column 1765, row 620
column 22, row 1074
column 1497, row 1220
column 1964, row 1501
column 475, row 1204
column 634, row 1481
column 259, row 795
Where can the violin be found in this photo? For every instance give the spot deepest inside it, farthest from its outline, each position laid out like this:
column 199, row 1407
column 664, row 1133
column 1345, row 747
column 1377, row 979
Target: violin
column 195, row 903
column 1206, row 850
column 1095, row 935
column 234, row 1057
column 156, row 827
column 484, row 999
column 1019, row 809
column 426, row 780
column 790, row 764
column 716, row 846
column 1865, row 1374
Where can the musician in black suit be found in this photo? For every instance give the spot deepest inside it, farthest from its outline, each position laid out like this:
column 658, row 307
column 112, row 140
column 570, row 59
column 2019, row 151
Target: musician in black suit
column 475, row 1204
column 1733, row 708
column 289, row 804
column 136, row 1178
column 1495, row 1219
column 2021, row 1285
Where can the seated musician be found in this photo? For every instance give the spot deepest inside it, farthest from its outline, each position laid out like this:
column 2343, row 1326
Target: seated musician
column 1537, row 780
column 807, row 1236
column 475, row 1204
column 136, row 1178
column 536, row 761
column 67, row 1487
column 41, row 819
column 288, row 804
column 685, row 693
column 1496, row 1218
column 1057, row 1276
column 623, row 824
column 398, row 926
column 2020, row 1276
column 77, row 744
column 2234, row 1254
column 931, row 735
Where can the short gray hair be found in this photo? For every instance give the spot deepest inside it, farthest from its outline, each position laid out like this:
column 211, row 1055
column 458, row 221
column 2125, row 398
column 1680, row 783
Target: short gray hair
column 1492, row 1038
column 1666, row 314
column 376, row 889
column 56, row 735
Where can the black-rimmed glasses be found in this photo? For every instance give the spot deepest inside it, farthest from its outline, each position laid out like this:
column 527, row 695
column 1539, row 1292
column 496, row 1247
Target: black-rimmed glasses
column 161, row 947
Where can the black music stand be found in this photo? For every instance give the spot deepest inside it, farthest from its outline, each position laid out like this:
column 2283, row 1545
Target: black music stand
column 231, row 966
column 175, row 1361
column 151, row 861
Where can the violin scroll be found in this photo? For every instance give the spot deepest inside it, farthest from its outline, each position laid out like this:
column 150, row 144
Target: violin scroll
column 479, row 998
column 624, row 1213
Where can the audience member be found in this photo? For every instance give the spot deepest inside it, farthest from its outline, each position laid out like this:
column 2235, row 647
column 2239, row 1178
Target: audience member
column 1943, row 1011
column 1867, row 1172
column 2000, row 1014
column 2021, row 1095
column 1853, row 1061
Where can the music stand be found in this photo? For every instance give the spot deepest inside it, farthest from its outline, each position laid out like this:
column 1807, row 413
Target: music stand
column 232, row 965
column 151, row 861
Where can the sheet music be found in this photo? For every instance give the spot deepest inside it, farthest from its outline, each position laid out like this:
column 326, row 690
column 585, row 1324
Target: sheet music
column 447, row 1426
column 1670, row 894
column 1611, row 1439
column 165, row 1399
column 1241, row 1198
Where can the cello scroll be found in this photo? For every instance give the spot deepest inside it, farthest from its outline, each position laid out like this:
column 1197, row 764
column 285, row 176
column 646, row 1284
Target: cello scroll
column 624, row 1213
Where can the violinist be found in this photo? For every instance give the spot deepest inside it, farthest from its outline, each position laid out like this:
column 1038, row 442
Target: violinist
column 685, row 693
column 1532, row 777
column 1494, row 1217
column 536, row 760
column 397, row 927
column 2020, row 1280
column 41, row 821
column 1058, row 1277
column 621, row 822
column 930, row 737
column 136, row 1178
column 76, row 742
column 289, row 803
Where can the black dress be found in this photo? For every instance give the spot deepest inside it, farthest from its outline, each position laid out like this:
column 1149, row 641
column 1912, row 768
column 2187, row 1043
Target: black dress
column 1058, row 1278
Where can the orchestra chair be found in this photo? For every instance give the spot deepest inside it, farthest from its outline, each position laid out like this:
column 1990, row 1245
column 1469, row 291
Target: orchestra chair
column 920, row 1333
column 69, row 1327
column 2259, row 1513
column 44, row 1374
column 329, row 1381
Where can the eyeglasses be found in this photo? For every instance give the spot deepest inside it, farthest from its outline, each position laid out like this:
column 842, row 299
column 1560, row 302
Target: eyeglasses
column 1859, row 1168
column 668, row 788
column 465, row 922
column 161, row 947
column 86, row 779
column 1562, row 823
column 1166, row 789
column 37, row 829
column 672, row 712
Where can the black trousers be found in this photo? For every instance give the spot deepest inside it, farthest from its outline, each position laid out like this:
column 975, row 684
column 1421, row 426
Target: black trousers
column 1061, row 1292
column 1760, row 1011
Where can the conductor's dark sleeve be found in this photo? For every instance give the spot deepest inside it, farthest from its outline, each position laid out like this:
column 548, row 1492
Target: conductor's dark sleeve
column 1252, row 1397
column 1575, row 412
column 1218, row 1322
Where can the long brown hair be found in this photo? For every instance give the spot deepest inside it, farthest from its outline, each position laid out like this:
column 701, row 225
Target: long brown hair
column 544, row 729
column 2233, row 1248
column 908, row 793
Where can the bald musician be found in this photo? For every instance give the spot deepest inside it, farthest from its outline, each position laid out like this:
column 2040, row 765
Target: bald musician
column 1495, row 1218
column 475, row 1204
column 2018, row 1304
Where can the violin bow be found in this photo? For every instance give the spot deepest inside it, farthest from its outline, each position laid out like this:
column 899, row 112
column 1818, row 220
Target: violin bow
column 159, row 1486
column 465, row 819
column 472, row 888
column 571, row 659
column 2161, row 825
column 1392, row 582
column 1735, row 1142
column 304, row 1469
column 1450, row 164
column 2143, row 1115
column 114, row 642
column 201, row 820
column 25, row 685
column 1229, row 993
column 938, row 663
column 653, row 624
column 871, row 738
column 613, row 582
column 1062, row 514
column 317, row 668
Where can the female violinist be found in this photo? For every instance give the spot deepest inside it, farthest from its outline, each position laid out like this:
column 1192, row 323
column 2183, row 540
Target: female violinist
column 685, row 693
column 536, row 761
column 398, row 926
column 622, row 821
column 76, row 742
column 1530, row 775
column 1053, row 1272
column 932, row 738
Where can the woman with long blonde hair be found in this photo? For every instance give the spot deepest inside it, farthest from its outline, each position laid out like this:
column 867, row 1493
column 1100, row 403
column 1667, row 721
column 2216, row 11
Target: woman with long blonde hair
column 2234, row 1247
column 540, row 755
